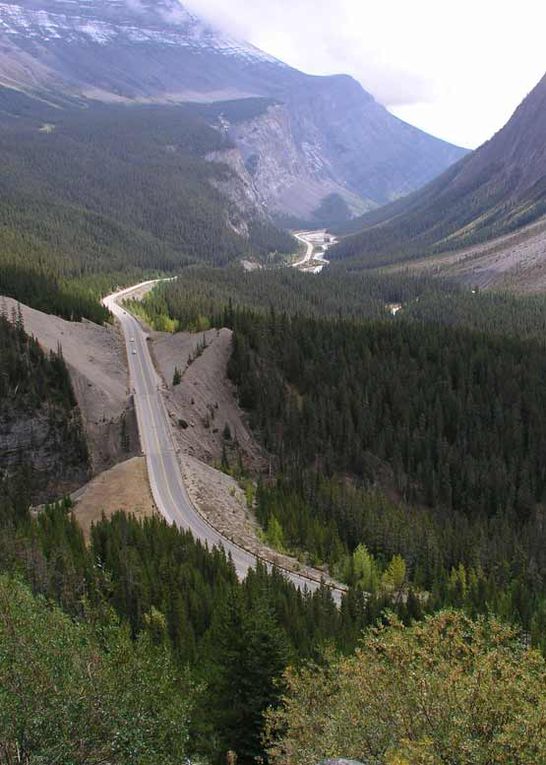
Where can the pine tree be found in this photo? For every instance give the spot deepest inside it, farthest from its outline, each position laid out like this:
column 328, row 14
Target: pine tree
column 248, row 654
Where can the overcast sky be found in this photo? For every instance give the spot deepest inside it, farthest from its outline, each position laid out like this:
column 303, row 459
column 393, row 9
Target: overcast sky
column 456, row 69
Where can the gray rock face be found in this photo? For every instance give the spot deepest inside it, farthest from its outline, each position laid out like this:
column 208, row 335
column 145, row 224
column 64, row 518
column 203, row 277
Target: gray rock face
column 325, row 135
column 40, row 441
column 290, row 171
column 239, row 187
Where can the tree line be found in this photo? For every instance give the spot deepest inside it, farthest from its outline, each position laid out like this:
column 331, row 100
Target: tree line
column 419, row 435
column 228, row 640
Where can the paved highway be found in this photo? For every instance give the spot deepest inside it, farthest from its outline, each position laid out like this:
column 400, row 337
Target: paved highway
column 156, row 440
column 314, row 261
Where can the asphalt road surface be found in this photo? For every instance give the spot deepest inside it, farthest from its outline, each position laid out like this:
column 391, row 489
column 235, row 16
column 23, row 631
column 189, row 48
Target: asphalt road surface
column 157, row 443
column 316, row 243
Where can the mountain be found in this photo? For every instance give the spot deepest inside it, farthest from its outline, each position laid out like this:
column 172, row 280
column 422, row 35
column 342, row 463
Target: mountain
column 98, row 196
column 498, row 189
column 317, row 142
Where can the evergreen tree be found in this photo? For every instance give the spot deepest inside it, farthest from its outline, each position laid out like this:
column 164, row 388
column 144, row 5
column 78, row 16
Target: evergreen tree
column 248, row 654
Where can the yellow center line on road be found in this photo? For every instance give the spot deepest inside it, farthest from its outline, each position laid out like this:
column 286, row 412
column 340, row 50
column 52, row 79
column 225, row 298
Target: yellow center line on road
column 154, row 430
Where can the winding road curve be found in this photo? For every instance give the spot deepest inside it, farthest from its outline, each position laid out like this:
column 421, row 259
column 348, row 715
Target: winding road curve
column 316, row 243
column 157, row 443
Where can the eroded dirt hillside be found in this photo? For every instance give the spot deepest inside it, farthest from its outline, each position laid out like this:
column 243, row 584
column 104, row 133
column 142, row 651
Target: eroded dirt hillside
column 203, row 403
column 95, row 357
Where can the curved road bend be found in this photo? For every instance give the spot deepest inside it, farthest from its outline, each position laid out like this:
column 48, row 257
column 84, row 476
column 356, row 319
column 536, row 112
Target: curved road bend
column 313, row 261
column 168, row 489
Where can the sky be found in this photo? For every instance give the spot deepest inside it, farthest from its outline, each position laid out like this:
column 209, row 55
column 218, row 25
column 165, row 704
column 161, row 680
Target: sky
column 456, row 69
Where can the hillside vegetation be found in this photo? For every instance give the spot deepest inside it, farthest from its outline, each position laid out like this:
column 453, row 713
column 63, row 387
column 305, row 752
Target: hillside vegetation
column 202, row 639
column 99, row 196
column 396, row 409
column 202, row 296
column 424, row 695
column 84, row 691
column 405, row 454
column 398, row 426
column 417, row 435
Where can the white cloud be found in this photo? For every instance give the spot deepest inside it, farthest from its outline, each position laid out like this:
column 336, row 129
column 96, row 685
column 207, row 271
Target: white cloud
column 135, row 5
column 456, row 69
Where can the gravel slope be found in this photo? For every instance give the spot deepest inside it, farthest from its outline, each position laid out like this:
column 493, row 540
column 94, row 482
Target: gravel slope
column 96, row 361
column 122, row 488
column 204, row 401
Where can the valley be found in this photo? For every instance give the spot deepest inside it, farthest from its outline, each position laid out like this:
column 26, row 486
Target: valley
column 272, row 402
column 515, row 262
column 303, row 142
column 475, row 205
column 196, row 497
column 316, row 244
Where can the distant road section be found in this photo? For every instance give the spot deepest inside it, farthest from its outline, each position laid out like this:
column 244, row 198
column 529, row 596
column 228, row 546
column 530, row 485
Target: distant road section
column 156, row 440
column 317, row 244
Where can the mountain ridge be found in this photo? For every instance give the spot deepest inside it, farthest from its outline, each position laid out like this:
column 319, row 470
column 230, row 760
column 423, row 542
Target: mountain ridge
column 499, row 188
column 334, row 139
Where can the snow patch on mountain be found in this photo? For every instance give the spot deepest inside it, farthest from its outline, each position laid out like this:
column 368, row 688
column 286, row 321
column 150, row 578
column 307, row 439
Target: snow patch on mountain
column 321, row 136
column 170, row 24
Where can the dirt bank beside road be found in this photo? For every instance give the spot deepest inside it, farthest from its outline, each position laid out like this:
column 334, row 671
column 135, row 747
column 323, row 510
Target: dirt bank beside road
column 95, row 356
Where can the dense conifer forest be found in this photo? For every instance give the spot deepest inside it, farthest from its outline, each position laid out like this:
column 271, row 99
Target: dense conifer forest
column 143, row 596
column 403, row 418
column 456, row 415
column 104, row 195
column 418, row 435
column 215, row 638
column 203, row 296
column 143, row 621
column 445, row 420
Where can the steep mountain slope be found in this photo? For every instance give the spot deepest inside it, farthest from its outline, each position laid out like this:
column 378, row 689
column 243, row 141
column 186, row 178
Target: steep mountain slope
column 322, row 138
column 496, row 190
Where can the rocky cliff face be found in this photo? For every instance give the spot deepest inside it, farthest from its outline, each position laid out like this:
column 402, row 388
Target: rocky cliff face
column 43, row 442
column 41, row 433
column 238, row 186
column 290, row 173
column 324, row 136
